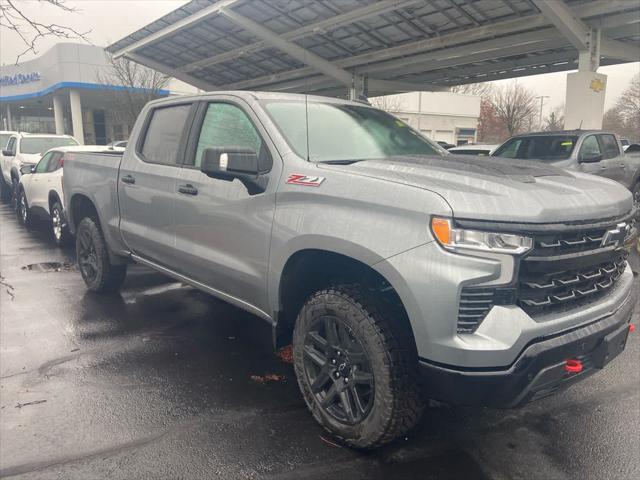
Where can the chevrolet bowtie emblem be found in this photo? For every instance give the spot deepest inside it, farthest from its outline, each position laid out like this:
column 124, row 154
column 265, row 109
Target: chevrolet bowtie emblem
column 616, row 236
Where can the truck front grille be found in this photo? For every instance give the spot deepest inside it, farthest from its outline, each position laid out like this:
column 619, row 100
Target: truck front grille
column 563, row 271
column 541, row 293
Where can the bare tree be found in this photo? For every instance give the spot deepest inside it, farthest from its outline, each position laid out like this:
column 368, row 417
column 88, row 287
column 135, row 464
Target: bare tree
column 555, row 120
column 628, row 104
column 142, row 85
column 515, row 106
column 31, row 30
column 388, row 103
column 483, row 90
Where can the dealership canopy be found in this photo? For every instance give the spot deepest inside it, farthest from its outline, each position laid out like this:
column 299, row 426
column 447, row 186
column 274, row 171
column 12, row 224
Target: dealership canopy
column 365, row 47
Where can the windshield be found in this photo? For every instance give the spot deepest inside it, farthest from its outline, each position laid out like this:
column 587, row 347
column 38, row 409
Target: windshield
column 339, row 132
column 4, row 139
column 42, row 144
column 552, row 147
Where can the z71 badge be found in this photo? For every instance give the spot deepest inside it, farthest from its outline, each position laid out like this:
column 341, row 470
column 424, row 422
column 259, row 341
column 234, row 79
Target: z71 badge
column 305, row 180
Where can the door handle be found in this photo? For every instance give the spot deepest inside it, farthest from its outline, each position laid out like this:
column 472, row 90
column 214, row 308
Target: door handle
column 188, row 189
column 128, row 179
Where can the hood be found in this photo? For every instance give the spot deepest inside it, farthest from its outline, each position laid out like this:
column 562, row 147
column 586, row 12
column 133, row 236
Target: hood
column 498, row 189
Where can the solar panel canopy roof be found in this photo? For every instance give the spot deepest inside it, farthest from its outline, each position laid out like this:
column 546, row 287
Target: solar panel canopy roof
column 378, row 47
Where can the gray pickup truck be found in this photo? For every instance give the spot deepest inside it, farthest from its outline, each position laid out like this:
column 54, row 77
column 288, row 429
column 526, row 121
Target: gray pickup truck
column 590, row 151
column 397, row 271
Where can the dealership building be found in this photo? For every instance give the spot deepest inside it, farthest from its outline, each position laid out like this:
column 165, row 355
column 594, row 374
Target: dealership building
column 442, row 116
column 70, row 89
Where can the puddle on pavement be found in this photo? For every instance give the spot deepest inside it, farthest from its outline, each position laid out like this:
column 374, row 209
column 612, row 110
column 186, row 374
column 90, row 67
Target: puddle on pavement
column 46, row 267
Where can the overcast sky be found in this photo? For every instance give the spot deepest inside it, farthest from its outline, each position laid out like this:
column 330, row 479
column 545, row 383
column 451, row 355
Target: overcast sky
column 110, row 20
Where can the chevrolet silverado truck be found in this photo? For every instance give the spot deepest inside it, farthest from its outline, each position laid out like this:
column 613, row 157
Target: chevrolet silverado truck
column 590, row 151
column 398, row 272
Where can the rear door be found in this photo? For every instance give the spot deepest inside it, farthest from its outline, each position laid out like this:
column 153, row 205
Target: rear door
column 35, row 185
column 613, row 158
column 222, row 231
column 147, row 183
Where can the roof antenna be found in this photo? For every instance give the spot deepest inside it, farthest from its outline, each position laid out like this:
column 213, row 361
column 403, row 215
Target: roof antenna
column 306, row 111
column 580, row 126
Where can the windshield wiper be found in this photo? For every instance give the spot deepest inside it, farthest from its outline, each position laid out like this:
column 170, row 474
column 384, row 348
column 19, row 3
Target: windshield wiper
column 342, row 162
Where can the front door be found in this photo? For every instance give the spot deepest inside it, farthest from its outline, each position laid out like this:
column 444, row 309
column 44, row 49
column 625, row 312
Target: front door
column 223, row 231
column 147, row 184
column 591, row 148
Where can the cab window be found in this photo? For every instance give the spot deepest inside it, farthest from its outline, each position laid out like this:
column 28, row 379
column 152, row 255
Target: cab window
column 54, row 162
column 590, row 148
column 43, row 164
column 226, row 125
column 164, row 134
column 11, row 145
column 609, row 146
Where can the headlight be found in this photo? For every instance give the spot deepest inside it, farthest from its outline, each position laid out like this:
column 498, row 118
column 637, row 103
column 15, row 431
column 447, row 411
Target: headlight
column 457, row 239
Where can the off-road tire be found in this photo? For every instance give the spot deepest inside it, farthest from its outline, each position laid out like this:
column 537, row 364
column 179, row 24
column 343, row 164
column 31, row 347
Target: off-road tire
column 107, row 277
column 61, row 236
column 389, row 345
column 23, row 211
column 635, row 190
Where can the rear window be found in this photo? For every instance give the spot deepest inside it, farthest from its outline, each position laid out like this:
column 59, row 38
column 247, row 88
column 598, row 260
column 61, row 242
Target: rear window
column 33, row 145
column 164, row 133
column 609, row 146
column 552, row 147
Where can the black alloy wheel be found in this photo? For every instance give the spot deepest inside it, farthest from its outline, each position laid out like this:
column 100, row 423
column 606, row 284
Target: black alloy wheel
column 87, row 257
column 339, row 370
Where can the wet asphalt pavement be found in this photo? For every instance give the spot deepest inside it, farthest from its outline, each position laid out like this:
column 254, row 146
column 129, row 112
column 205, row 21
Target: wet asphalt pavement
column 156, row 383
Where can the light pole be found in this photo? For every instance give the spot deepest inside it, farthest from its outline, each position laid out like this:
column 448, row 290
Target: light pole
column 541, row 97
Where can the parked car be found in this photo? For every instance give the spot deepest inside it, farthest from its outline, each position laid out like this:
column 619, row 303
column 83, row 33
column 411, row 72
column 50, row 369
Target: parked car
column 5, row 188
column 590, row 151
column 625, row 143
column 473, row 149
column 445, row 145
column 40, row 189
column 386, row 262
column 118, row 144
column 25, row 149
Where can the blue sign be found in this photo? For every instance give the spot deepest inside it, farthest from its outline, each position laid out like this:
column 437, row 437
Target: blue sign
column 19, row 79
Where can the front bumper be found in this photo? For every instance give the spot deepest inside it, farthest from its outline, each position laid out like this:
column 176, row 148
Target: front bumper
column 538, row 371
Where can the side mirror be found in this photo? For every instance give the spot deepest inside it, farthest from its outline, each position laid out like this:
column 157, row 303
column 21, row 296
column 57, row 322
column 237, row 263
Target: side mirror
column 8, row 153
column 228, row 163
column 27, row 169
column 591, row 158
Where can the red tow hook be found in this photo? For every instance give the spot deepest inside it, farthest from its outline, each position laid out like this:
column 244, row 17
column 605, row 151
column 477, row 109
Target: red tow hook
column 573, row 366
column 632, row 328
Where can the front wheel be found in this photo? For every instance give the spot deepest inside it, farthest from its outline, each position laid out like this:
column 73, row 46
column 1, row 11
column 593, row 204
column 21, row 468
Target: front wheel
column 636, row 194
column 23, row 210
column 356, row 367
column 59, row 226
column 97, row 271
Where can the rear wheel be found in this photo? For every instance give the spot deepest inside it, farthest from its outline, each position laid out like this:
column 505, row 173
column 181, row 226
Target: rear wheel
column 97, row 271
column 59, row 226
column 356, row 368
column 23, row 210
column 5, row 189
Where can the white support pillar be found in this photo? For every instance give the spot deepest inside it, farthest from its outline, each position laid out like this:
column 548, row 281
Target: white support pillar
column 584, row 105
column 58, row 114
column 76, row 115
column 9, row 120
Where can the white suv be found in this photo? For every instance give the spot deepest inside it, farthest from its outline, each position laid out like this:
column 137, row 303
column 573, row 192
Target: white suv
column 39, row 191
column 26, row 149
